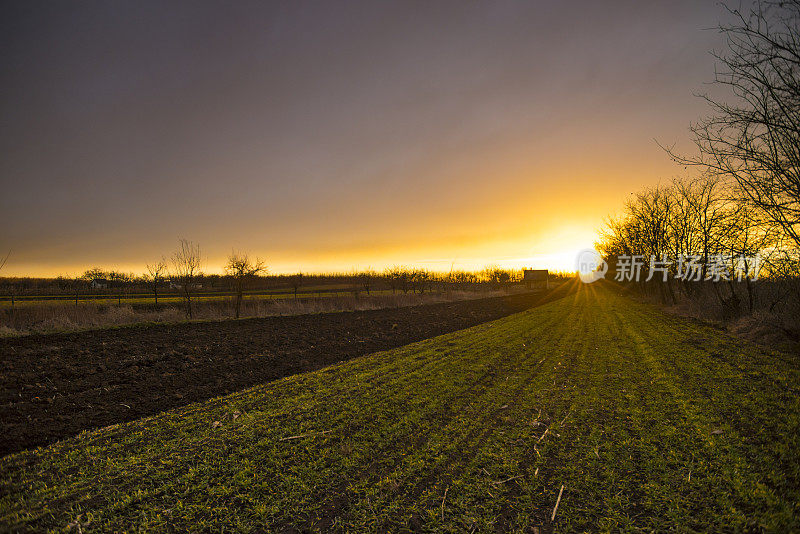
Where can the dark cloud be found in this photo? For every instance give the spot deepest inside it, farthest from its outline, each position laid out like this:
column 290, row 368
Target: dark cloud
column 298, row 127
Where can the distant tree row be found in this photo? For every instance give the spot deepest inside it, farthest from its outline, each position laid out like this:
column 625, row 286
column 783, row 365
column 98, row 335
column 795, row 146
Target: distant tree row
column 183, row 273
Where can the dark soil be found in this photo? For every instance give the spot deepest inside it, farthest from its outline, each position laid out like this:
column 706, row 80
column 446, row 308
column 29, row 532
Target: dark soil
column 54, row 386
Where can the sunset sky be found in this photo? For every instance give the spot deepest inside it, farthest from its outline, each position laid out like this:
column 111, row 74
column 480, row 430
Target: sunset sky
column 337, row 135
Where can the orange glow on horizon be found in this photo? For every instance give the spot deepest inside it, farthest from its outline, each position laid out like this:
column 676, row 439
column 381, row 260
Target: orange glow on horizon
column 471, row 141
column 529, row 223
column 555, row 250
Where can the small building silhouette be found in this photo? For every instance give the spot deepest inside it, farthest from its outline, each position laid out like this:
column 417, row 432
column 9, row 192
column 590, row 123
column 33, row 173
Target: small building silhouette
column 99, row 283
column 536, row 278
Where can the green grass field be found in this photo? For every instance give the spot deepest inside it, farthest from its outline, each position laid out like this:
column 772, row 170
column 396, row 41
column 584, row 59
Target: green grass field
column 649, row 422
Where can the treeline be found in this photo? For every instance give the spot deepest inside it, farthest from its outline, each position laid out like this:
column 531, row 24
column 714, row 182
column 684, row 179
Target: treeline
column 740, row 212
column 183, row 275
column 398, row 279
column 709, row 241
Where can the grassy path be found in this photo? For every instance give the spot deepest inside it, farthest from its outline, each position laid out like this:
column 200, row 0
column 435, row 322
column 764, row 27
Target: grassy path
column 648, row 421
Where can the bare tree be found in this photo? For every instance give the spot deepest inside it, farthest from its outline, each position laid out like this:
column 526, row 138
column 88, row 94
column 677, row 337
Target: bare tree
column 241, row 268
column 155, row 275
column 77, row 286
column 296, row 280
column 365, row 279
column 392, row 276
column 754, row 137
column 186, row 262
column 405, row 278
column 96, row 273
column 749, row 236
column 495, row 276
column 420, row 278
column 784, row 268
column 120, row 283
column 464, row 280
column 709, row 212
